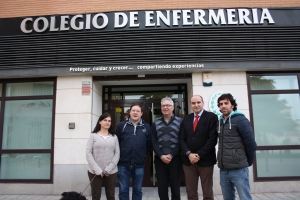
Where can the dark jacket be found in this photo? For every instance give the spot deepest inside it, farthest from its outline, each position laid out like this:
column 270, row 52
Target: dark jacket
column 135, row 143
column 203, row 141
column 236, row 142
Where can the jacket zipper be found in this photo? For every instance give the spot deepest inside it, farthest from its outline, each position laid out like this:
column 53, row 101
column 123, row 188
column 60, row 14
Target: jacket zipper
column 222, row 145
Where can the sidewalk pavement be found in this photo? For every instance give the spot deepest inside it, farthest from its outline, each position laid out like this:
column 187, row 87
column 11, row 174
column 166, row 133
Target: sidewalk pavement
column 264, row 196
column 150, row 193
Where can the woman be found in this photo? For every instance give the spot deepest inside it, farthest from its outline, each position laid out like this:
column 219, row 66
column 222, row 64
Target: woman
column 102, row 154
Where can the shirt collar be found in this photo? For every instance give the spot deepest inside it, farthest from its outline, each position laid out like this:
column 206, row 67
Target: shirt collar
column 105, row 137
column 163, row 118
column 139, row 122
column 199, row 113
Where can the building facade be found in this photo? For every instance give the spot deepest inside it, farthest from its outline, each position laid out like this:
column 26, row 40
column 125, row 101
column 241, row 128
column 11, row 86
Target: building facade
column 62, row 64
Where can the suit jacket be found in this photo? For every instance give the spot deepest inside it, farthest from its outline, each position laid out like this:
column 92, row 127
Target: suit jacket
column 202, row 141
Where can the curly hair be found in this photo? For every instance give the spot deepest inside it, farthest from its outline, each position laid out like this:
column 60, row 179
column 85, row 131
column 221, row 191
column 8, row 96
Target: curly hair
column 230, row 98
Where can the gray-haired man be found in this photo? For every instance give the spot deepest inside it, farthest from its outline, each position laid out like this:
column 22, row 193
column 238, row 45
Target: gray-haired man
column 165, row 141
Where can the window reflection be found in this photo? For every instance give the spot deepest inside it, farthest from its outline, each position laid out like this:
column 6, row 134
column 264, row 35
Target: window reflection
column 116, row 96
column 155, row 95
column 143, row 89
column 27, row 124
column 29, row 89
column 278, row 163
column 276, row 119
column 119, row 112
column 25, row 166
column 274, row 82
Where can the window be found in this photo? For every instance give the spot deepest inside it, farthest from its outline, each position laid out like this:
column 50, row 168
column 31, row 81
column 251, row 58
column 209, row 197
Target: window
column 275, row 106
column 26, row 125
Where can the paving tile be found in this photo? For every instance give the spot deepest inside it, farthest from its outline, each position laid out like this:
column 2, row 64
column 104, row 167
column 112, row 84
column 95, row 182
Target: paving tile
column 261, row 196
column 273, row 196
column 297, row 194
column 219, row 197
column 3, row 197
column 283, row 196
column 292, row 196
column 184, row 198
column 150, row 196
column 254, row 197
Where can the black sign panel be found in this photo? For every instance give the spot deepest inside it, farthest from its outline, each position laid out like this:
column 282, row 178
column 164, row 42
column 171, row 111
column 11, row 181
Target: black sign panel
column 156, row 19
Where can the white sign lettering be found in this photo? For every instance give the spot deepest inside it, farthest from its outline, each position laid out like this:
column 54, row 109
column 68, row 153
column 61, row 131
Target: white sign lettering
column 144, row 19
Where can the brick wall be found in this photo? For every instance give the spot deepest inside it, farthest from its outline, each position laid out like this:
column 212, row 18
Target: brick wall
column 21, row 8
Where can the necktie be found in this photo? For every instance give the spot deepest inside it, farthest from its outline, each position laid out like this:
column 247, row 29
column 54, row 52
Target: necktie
column 195, row 122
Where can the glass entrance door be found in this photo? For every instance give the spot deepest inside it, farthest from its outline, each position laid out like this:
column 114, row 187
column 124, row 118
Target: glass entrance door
column 119, row 99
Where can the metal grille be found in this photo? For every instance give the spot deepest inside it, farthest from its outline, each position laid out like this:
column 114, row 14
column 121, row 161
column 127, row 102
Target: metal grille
column 150, row 46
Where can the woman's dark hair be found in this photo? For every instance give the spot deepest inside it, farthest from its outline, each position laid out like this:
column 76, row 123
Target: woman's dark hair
column 230, row 98
column 98, row 127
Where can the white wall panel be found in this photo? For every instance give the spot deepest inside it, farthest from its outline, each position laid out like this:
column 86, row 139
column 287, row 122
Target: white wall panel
column 82, row 125
column 70, row 151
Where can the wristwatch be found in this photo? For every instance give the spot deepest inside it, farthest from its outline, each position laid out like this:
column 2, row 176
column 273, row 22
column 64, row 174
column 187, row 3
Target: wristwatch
column 188, row 153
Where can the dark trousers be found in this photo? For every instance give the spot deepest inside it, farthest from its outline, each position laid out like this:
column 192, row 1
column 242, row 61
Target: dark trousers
column 109, row 184
column 168, row 174
column 192, row 173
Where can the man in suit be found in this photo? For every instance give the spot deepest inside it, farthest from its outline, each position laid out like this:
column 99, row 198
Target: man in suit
column 198, row 138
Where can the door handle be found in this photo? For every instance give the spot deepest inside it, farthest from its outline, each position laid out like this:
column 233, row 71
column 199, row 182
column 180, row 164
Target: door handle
column 153, row 154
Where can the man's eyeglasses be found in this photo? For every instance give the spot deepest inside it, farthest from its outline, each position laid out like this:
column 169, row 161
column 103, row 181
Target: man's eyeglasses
column 167, row 106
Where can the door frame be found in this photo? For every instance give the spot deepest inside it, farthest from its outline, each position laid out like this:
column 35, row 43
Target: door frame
column 179, row 102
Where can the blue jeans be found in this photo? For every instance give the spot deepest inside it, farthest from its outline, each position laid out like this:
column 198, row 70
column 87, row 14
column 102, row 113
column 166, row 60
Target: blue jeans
column 235, row 178
column 137, row 175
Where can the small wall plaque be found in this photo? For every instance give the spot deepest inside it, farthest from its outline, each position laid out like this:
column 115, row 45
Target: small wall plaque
column 71, row 125
column 207, row 79
column 86, row 88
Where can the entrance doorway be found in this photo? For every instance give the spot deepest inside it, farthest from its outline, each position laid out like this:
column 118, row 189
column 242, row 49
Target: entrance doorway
column 118, row 99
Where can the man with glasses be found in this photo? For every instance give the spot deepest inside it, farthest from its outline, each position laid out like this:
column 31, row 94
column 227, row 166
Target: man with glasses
column 198, row 138
column 165, row 141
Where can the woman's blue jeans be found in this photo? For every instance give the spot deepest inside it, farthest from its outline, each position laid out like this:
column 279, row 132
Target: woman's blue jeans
column 235, row 178
column 124, row 175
